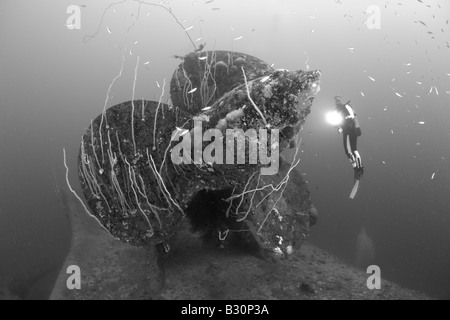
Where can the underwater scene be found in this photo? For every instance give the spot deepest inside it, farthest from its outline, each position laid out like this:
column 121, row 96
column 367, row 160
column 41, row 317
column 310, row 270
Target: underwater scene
column 225, row 150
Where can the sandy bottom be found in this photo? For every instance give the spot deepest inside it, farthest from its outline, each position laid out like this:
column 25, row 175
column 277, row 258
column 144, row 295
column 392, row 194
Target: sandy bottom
column 196, row 272
column 113, row 270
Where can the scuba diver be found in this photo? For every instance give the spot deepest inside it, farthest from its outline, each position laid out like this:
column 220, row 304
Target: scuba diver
column 350, row 130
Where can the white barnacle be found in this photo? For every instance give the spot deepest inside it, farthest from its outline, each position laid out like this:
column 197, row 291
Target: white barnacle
column 289, row 249
column 265, row 79
column 280, row 241
column 278, row 214
column 267, row 92
column 278, row 251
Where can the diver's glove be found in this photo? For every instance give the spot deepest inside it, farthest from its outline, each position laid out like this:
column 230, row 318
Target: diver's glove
column 340, row 130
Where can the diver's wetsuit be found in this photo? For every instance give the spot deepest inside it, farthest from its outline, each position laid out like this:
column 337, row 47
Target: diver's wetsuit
column 350, row 133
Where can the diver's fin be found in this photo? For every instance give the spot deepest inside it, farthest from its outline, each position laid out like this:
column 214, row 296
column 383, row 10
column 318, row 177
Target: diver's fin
column 355, row 189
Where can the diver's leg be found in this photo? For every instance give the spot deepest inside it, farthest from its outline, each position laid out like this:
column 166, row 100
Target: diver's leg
column 358, row 159
column 357, row 166
column 353, row 138
column 348, row 149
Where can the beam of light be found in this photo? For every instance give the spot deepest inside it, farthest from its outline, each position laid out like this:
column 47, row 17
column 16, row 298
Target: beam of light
column 334, row 118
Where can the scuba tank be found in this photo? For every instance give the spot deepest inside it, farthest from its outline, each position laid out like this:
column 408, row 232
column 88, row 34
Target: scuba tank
column 355, row 119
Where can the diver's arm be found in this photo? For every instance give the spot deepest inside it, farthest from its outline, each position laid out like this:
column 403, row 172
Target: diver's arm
column 350, row 111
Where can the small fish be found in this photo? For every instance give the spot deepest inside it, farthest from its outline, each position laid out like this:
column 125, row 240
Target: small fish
column 108, row 29
column 432, row 176
column 238, row 38
column 437, row 93
column 362, row 93
column 431, row 89
column 312, row 17
column 203, row 58
column 187, row 29
column 157, row 83
column 131, row 53
column 136, row 42
column 146, row 63
column 423, row 23
column 392, row 131
column 206, row 108
column 418, row 82
column 198, row 39
column 384, row 162
column 421, row 122
column 272, row 65
column 371, row 78
column 312, row 31
column 399, row 95
column 209, row 1
column 232, row 29
column 192, row 91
